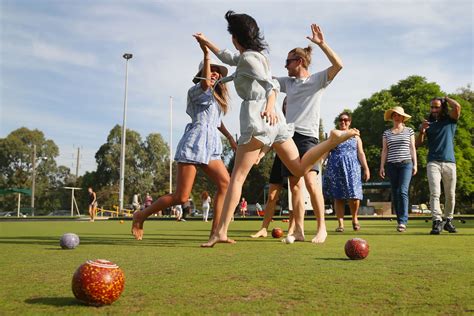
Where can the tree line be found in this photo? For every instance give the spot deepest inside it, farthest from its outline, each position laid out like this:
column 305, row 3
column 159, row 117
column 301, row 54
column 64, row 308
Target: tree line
column 147, row 160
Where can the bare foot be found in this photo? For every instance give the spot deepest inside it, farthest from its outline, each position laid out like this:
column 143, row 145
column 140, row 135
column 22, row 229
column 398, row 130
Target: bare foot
column 261, row 233
column 320, row 236
column 298, row 237
column 215, row 239
column 137, row 225
column 338, row 136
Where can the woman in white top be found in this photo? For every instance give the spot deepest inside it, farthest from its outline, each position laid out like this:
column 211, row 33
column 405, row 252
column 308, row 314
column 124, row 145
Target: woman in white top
column 399, row 154
column 261, row 124
column 206, row 205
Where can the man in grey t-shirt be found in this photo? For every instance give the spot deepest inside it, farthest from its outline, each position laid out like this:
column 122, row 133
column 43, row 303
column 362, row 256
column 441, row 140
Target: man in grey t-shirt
column 304, row 91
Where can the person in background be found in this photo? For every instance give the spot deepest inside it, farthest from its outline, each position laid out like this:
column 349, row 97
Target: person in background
column 243, row 207
column 148, row 200
column 399, row 154
column 206, row 205
column 136, row 202
column 440, row 129
column 92, row 204
column 342, row 176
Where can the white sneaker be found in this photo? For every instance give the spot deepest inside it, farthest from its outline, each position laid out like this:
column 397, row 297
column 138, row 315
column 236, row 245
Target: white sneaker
column 401, row 228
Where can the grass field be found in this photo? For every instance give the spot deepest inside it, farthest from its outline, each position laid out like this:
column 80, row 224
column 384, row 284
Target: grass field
column 167, row 272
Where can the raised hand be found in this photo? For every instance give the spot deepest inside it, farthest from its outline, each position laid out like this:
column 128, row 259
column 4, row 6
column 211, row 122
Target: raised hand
column 317, row 35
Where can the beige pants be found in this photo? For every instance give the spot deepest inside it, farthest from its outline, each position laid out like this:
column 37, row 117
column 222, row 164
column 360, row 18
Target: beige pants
column 446, row 172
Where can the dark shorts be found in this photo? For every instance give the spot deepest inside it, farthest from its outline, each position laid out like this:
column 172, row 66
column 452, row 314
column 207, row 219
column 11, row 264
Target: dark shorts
column 303, row 143
column 275, row 174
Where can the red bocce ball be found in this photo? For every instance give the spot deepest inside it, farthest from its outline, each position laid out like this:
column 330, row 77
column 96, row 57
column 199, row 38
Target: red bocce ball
column 356, row 248
column 277, row 232
column 98, row 282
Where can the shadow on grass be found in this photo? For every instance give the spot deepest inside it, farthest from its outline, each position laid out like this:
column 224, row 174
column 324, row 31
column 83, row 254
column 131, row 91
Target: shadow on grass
column 54, row 301
column 333, row 259
column 51, row 242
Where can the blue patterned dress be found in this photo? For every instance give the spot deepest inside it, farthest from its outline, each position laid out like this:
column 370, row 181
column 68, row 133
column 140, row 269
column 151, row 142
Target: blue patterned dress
column 342, row 177
column 201, row 141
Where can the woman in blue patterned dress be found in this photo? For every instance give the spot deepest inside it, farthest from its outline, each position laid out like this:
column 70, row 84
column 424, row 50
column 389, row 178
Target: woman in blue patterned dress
column 200, row 145
column 342, row 178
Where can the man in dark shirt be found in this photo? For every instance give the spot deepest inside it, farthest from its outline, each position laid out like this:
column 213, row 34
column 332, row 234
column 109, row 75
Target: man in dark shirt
column 439, row 130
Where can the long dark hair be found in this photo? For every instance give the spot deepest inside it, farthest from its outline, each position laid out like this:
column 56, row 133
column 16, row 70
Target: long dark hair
column 444, row 112
column 245, row 30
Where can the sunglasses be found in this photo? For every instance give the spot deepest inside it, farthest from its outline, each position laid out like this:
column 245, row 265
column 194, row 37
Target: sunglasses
column 344, row 120
column 289, row 60
column 435, row 107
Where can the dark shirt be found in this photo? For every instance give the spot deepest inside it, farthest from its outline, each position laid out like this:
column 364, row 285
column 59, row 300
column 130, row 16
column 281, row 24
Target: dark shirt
column 440, row 137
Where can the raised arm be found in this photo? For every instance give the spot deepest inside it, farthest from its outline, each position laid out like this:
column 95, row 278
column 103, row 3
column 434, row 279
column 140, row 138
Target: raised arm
column 206, row 69
column 224, row 55
column 317, row 38
column 455, row 112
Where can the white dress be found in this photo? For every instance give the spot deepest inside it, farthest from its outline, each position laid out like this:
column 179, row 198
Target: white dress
column 253, row 83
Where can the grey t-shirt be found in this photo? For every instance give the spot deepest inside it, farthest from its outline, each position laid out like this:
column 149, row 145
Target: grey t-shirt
column 303, row 98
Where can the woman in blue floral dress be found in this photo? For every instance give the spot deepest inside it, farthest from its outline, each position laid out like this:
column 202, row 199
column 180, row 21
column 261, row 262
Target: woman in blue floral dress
column 342, row 178
column 200, row 145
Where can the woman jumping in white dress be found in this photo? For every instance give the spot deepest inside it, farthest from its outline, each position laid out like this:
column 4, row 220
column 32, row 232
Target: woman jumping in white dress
column 261, row 124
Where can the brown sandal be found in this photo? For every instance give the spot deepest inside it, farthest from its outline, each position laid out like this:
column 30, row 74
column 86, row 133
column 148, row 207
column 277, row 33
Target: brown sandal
column 356, row 226
column 340, row 229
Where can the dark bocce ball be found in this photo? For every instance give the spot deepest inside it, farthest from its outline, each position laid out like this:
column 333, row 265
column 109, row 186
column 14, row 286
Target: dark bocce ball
column 277, row 232
column 356, row 248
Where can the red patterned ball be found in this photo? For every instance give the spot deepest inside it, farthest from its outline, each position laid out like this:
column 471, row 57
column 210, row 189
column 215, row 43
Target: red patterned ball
column 356, row 248
column 98, row 282
column 277, row 232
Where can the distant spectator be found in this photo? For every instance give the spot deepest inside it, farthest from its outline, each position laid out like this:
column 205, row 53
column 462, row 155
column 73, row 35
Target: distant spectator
column 92, row 204
column 135, row 202
column 179, row 213
column 243, row 207
column 206, row 205
column 148, row 200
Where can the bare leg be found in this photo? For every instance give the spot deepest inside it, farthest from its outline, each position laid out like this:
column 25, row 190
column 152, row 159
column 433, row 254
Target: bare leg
column 339, row 208
column 314, row 187
column 288, row 152
column 184, row 184
column 245, row 157
column 291, row 223
column 354, row 206
column 218, row 173
column 273, row 194
column 296, row 185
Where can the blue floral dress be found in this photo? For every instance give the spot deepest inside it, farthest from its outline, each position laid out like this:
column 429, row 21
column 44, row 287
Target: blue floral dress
column 342, row 177
column 201, row 141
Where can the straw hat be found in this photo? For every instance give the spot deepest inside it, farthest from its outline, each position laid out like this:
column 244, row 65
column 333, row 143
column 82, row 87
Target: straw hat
column 222, row 69
column 399, row 110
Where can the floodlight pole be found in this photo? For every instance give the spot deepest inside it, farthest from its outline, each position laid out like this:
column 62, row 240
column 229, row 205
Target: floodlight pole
column 33, row 182
column 171, row 145
column 124, row 128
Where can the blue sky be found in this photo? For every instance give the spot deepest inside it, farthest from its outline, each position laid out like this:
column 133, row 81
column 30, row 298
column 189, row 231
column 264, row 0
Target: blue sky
column 62, row 71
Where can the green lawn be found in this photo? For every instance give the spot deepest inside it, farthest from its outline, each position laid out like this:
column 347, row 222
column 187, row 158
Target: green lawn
column 167, row 272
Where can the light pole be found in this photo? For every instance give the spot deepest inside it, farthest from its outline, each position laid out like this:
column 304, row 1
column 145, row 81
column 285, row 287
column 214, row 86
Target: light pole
column 171, row 145
column 124, row 128
column 33, row 180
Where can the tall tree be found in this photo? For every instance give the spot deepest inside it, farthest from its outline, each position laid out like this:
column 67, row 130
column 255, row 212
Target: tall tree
column 16, row 167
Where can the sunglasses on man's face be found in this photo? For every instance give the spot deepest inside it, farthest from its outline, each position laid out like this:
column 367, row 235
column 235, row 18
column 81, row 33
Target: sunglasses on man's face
column 435, row 107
